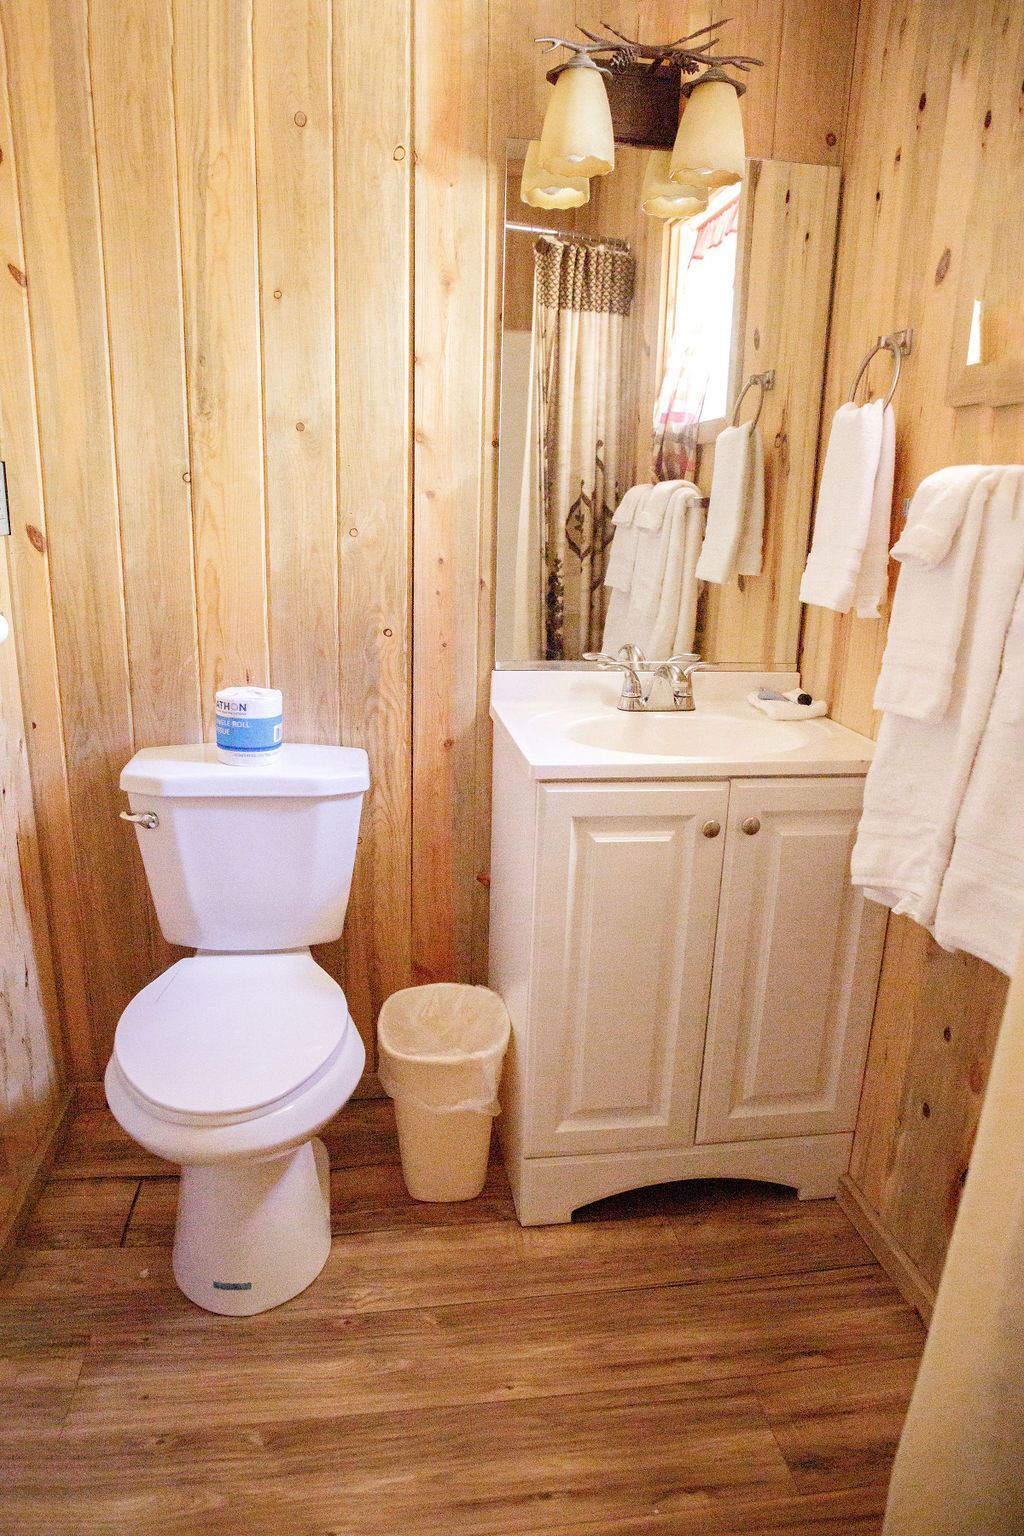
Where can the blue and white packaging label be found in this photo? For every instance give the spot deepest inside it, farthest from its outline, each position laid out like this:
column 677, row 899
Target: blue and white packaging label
column 249, row 720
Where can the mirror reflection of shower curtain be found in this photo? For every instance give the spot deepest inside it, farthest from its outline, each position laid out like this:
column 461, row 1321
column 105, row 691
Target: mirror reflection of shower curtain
column 583, row 289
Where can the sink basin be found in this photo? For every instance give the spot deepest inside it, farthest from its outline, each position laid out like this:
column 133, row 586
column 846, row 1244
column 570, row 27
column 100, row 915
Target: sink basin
column 565, row 724
column 700, row 735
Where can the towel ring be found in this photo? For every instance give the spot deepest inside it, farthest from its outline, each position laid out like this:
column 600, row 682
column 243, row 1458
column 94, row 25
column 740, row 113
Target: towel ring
column 899, row 344
column 765, row 382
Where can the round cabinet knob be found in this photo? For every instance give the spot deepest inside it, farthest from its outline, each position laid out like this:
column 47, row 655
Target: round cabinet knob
column 711, row 828
column 751, row 825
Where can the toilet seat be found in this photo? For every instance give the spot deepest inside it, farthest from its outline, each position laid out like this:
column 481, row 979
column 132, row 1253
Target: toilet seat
column 221, row 1038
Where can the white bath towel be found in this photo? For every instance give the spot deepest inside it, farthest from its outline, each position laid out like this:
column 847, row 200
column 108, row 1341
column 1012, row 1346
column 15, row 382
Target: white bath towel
column 917, row 781
column 622, row 555
column 662, row 590
column 650, row 512
column 936, row 550
column 675, row 619
column 853, row 511
column 735, row 521
column 981, row 903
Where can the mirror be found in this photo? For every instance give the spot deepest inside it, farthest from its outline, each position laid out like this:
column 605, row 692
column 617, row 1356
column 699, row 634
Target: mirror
column 626, row 341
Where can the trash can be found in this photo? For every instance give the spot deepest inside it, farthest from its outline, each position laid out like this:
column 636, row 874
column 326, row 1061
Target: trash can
column 441, row 1049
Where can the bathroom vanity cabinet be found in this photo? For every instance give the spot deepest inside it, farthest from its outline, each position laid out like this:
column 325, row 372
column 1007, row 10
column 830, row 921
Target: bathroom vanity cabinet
column 690, row 977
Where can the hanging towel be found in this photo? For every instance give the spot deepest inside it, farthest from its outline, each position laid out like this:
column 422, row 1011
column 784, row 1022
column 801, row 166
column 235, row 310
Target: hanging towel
column 650, row 513
column 936, row 551
column 675, row 619
column 917, row 781
column 750, row 554
column 981, row 903
column 854, row 504
column 873, row 577
column 640, row 616
column 622, row 555
column 735, row 522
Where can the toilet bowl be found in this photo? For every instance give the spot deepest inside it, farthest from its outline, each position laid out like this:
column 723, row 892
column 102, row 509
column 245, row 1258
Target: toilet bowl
column 230, row 1062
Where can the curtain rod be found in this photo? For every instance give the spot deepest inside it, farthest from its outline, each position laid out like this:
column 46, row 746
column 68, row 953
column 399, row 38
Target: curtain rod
column 611, row 241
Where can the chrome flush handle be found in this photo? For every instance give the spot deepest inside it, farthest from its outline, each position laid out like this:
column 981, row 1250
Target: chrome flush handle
column 147, row 819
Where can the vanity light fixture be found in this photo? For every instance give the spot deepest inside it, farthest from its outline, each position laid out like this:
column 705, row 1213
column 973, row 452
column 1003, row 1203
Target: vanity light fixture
column 578, row 136
column 543, row 189
column 709, row 143
column 662, row 198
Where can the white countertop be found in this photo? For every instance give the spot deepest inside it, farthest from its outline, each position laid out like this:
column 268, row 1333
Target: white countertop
column 565, row 725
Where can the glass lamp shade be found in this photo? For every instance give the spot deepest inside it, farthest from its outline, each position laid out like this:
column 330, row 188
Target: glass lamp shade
column 543, row 189
column 710, row 138
column 577, row 138
column 665, row 199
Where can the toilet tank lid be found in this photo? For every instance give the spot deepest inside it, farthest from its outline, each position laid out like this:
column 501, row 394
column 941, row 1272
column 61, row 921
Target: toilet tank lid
column 197, row 771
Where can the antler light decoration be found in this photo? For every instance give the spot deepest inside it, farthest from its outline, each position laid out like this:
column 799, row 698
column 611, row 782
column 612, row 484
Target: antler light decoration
column 578, row 139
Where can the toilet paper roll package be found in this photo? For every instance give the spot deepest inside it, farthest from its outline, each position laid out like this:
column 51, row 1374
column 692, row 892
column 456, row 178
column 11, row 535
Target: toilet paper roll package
column 249, row 724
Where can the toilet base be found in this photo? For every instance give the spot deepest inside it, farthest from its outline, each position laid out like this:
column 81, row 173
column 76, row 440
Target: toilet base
column 251, row 1235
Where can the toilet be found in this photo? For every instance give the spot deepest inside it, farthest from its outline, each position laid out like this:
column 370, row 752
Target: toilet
column 231, row 1061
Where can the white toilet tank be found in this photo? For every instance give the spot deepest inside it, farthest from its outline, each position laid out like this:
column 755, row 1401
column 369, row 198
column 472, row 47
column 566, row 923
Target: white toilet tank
column 247, row 857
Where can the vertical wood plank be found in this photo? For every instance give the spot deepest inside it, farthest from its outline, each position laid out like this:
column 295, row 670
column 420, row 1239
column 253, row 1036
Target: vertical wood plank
column 30, row 1063
column 130, row 50
column 32, row 616
column 213, row 99
column 292, row 72
column 50, row 94
column 451, row 199
column 934, row 92
column 373, row 171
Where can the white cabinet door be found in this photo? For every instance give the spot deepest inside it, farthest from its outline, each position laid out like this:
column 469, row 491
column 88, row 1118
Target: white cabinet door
column 796, row 965
column 623, row 942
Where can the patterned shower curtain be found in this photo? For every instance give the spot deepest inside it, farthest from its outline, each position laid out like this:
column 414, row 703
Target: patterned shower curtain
column 583, row 289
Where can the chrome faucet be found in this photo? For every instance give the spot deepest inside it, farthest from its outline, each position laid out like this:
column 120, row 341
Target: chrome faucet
column 670, row 689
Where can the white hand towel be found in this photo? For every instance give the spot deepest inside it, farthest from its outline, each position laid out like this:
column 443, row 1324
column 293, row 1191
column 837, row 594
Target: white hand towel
column 981, row 903
column 787, row 708
column 847, row 500
column 671, row 629
column 750, row 554
column 917, row 781
column 873, row 577
column 734, row 483
column 937, row 551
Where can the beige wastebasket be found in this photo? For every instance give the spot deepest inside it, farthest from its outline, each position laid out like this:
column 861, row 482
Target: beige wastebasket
column 441, row 1049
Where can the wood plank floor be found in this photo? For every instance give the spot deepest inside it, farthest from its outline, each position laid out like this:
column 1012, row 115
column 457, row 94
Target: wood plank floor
column 696, row 1360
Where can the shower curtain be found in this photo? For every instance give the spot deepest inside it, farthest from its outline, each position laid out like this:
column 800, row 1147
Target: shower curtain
column 960, row 1466
column 583, row 289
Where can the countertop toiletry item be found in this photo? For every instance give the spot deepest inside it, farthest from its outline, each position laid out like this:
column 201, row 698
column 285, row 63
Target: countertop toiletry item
column 795, row 705
column 249, row 724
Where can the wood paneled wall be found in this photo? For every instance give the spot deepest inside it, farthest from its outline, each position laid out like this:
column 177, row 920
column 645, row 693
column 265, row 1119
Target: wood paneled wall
column 215, row 330
column 470, row 99
column 205, row 216
column 936, row 106
column 32, row 1094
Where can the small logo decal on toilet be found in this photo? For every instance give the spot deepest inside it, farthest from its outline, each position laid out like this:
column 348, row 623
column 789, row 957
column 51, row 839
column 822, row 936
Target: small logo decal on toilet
column 232, row 1285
